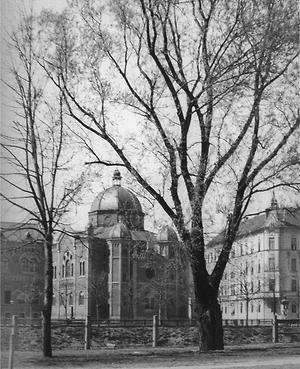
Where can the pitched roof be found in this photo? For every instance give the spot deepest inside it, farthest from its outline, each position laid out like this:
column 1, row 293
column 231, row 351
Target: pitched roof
column 17, row 232
column 284, row 217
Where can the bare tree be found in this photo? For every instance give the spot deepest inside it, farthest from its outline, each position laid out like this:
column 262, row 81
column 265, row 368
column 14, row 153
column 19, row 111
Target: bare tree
column 99, row 291
column 242, row 280
column 33, row 293
column 35, row 150
column 211, row 88
column 65, row 296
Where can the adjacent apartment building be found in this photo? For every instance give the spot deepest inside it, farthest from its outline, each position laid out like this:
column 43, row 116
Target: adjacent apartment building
column 262, row 277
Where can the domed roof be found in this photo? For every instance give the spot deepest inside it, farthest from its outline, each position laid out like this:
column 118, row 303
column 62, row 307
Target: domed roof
column 119, row 231
column 116, row 198
column 166, row 234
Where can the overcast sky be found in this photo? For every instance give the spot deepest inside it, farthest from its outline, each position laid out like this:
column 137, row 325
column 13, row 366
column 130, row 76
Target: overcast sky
column 11, row 11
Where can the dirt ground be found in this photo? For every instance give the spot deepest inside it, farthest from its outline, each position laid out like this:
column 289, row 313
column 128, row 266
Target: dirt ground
column 285, row 356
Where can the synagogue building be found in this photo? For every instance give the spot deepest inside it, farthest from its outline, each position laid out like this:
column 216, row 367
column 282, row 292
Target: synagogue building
column 116, row 269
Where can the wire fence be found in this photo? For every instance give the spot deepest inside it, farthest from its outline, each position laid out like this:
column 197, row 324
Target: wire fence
column 37, row 322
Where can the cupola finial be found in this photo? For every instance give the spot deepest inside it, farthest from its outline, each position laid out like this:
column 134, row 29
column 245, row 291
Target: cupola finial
column 274, row 203
column 117, row 178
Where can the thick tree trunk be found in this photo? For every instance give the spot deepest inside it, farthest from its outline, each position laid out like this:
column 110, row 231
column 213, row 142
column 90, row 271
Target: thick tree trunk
column 209, row 319
column 208, row 311
column 47, row 308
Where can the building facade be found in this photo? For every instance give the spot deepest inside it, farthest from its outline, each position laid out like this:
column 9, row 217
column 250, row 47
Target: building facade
column 116, row 269
column 22, row 270
column 263, row 273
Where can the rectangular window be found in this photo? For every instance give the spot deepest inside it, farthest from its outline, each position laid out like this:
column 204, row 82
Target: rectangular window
column 54, row 272
column 258, row 246
column 258, row 285
column 81, row 268
column 271, row 243
column 294, row 285
column 294, row 243
column 115, row 300
column 294, row 265
column 115, row 250
column 7, row 297
column 272, row 284
column 271, row 264
column 115, row 270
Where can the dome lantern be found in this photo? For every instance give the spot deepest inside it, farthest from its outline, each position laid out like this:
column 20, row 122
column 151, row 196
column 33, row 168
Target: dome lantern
column 117, row 178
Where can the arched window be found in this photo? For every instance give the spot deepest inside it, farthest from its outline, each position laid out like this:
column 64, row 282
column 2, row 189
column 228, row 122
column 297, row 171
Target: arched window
column 81, row 267
column 25, row 265
column 294, row 308
column 53, row 300
column 81, row 298
column 4, row 263
column 150, row 273
column 149, row 303
column 70, row 298
column 32, row 265
column 20, row 297
column 68, row 269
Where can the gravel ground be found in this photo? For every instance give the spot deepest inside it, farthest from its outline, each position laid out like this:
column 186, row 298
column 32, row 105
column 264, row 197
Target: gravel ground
column 267, row 356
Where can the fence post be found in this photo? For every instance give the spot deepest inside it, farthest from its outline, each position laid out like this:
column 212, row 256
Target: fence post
column 154, row 331
column 275, row 330
column 87, row 333
column 12, row 342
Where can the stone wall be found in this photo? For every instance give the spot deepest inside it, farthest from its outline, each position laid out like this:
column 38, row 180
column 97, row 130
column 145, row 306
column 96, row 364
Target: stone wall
column 72, row 337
